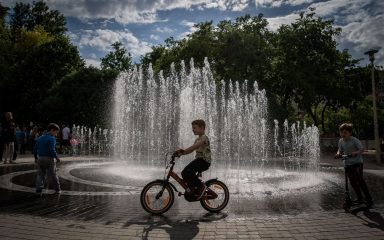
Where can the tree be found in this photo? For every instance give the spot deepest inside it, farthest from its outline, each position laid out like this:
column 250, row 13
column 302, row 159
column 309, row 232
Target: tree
column 308, row 69
column 28, row 17
column 82, row 97
column 37, row 55
column 119, row 59
column 5, row 48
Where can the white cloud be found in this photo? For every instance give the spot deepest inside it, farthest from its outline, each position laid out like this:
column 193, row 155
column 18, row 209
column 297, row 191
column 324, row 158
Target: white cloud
column 134, row 11
column 154, row 37
column 92, row 62
column 340, row 9
column 140, row 11
column 164, row 29
column 329, row 8
column 102, row 39
column 279, row 3
column 191, row 29
column 365, row 34
column 187, row 23
column 276, row 22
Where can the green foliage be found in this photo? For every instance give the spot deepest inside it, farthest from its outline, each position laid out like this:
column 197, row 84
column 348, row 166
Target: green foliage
column 359, row 113
column 119, row 59
column 5, row 45
column 31, row 39
column 81, row 97
column 28, row 17
column 37, row 55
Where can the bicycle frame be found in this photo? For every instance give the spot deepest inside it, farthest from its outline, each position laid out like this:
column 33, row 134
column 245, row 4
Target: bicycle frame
column 171, row 174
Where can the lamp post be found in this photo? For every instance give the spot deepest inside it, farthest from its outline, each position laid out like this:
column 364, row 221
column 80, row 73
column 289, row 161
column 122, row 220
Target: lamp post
column 371, row 54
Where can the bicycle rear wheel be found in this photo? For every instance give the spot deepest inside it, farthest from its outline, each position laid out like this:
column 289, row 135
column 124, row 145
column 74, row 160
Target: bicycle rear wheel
column 157, row 199
column 220, row 202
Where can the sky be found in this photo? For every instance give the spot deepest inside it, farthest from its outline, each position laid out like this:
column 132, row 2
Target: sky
column 93, row 25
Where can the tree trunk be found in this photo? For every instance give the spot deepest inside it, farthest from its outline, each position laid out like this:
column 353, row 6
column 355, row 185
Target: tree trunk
column 313, row 114
column 322, row 116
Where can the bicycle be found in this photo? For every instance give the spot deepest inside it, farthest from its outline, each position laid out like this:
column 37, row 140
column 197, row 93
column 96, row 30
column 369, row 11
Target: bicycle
column 157, row 197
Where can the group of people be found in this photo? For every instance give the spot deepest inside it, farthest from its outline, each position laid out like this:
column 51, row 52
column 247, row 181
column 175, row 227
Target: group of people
column 18, row 139
column 15, row 139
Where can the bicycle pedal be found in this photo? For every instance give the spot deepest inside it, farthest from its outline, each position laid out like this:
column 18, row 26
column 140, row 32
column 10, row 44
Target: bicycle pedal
column 180, row 194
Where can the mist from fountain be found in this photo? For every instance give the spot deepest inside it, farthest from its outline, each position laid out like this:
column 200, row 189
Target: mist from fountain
column 153, row 114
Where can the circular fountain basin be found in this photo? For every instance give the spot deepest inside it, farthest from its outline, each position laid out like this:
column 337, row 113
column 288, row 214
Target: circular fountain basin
column 122, row 178
column 251, row 189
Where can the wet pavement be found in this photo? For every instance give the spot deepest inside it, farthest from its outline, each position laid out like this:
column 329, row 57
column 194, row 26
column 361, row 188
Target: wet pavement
column 99, row 202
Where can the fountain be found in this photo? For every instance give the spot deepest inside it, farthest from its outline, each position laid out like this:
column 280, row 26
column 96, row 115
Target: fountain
column 153, row 114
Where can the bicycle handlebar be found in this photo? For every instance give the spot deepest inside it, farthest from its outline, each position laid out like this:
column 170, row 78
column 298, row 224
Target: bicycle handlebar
column 174, row 155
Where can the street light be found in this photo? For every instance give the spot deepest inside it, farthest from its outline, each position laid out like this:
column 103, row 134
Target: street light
column 371, row 54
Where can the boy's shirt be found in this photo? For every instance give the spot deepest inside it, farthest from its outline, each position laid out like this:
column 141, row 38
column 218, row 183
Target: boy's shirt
column 204, row 151
column 347, row 147
column 45, row 146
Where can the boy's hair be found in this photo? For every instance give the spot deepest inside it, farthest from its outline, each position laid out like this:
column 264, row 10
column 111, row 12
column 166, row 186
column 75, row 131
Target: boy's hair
column 199, row 122
column 53, row 126
column 346, row 126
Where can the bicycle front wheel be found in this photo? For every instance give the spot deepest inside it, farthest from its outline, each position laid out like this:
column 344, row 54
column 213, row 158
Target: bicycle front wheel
column 218, row 203
column 156, row 198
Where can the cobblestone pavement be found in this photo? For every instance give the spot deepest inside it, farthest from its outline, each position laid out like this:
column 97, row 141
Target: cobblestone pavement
column 319, row 225
column 24, row 215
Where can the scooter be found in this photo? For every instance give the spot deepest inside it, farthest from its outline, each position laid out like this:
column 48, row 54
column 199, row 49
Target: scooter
column 348, row 203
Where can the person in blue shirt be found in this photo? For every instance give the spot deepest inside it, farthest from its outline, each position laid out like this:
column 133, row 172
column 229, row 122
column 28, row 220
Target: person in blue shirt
column 45, row 155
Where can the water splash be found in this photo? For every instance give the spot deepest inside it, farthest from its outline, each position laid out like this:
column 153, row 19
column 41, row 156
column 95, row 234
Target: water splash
column 152, row 114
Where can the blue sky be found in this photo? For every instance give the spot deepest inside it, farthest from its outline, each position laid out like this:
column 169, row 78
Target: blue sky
column 93, row 25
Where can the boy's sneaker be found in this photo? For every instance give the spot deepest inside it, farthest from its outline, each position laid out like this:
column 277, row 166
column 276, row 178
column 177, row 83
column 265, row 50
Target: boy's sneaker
column 369, row 203
column 359, row 201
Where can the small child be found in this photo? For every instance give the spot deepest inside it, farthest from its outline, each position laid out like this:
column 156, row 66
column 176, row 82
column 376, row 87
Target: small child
column 202, row 161
column 45, row 154
column 350, row 145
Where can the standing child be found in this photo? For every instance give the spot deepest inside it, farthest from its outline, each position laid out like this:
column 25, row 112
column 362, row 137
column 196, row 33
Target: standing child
column 202, row 161
column 45, row 154
column 349, row 145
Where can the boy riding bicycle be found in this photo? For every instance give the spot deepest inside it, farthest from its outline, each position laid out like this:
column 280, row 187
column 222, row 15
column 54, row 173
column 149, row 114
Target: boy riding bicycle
column 202, row 161
column 350, row 145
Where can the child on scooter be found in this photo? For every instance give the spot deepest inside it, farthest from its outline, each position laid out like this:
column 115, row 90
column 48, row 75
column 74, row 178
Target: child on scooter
column 349, row 145
column 202, row 161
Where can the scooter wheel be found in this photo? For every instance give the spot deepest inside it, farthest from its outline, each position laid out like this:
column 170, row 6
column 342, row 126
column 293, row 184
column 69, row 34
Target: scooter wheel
column 346, row 207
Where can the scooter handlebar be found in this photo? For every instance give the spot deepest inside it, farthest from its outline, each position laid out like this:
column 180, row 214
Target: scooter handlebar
column 343, row 156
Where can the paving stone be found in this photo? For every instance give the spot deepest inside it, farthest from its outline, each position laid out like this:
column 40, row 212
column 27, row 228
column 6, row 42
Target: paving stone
column 24, row 216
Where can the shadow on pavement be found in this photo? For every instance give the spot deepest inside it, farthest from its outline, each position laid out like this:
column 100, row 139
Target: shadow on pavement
column 180, row 229
column 376, row 220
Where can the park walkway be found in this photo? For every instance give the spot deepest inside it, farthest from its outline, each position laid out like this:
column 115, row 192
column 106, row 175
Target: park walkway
column 318, row 225
column 27, row 216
